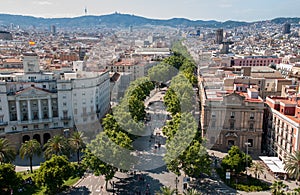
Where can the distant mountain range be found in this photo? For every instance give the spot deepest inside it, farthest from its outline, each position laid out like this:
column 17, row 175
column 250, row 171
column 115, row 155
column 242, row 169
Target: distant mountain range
column 123, row 20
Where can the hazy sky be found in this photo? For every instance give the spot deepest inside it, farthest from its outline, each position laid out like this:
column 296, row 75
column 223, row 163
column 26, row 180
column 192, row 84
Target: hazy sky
column 242, row 10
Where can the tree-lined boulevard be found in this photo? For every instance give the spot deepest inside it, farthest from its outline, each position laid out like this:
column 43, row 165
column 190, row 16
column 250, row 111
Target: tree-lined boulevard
column 150, row 144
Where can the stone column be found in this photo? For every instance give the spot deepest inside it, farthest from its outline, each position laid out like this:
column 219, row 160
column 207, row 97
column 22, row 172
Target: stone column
column 40, row 109
column 29, row 110
column 49, row 107
column 18, row 110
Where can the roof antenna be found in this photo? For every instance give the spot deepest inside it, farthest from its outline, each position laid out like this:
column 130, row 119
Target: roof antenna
column 85, row 10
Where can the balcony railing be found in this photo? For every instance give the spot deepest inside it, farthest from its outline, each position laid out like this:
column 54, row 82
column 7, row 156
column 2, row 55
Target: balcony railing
column 3, row 123
column 65, row 118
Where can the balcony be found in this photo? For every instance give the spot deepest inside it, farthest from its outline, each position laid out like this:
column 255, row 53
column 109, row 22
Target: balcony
column 2, row 123
column 36, row 121
column 65, row 118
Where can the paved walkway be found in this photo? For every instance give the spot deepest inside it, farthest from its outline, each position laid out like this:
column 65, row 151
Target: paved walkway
column 267, row 176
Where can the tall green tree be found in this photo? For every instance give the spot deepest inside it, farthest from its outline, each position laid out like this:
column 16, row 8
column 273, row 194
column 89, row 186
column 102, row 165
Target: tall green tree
column 9, row 179
column 109, row 150
column 136, row 108
column 162, row 73
column 57, row 145
column 99, row 167
column 171, row 101
column 53, row 172
column 29, row 149
column 184, row 149
column 7, row 152
column 236, row 160
column 292, row 165
column 76, row 142
column 175, row 60
column 277, row 188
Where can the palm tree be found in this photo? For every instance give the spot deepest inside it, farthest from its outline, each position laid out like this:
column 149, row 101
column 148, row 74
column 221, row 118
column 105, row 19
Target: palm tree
column 292, row 165
column 277, row 188
column 166, row 191
column 76, row 142
column 192, row 192
column 56, row 145
column 7, row 153
column 257, row 169
column 29, row 149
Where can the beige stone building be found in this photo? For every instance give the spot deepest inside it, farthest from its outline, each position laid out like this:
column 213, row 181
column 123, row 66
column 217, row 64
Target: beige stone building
column 232, row 118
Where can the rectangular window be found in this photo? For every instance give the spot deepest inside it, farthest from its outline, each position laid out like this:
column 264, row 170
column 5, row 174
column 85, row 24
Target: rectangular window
column 231, row 124
column 232, row 114
column 213, row 123
column 213, row 114
column 252, row 115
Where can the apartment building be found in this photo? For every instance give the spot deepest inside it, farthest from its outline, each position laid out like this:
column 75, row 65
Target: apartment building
column 266, row 80
column 240, row 60
column 283, row 125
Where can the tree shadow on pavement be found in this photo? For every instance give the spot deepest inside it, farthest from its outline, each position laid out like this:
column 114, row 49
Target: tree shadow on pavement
column 139, row 183
column 82, row 190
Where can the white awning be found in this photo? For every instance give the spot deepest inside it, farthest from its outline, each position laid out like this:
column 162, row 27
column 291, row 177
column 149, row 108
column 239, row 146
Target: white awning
column 273, row 163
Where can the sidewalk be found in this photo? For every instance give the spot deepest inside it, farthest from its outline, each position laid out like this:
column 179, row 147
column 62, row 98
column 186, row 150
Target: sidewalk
column 267, row 176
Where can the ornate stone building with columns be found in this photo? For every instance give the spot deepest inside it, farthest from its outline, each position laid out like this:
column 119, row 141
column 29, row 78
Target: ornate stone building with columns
column 38, row 105
column 232, row 118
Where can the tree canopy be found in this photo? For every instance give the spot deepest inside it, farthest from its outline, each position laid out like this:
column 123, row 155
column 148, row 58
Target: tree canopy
column 7, row 152
column 57, row 145
column 236, row 160
column 184, row 150
column 53, row 172
column 9, row 179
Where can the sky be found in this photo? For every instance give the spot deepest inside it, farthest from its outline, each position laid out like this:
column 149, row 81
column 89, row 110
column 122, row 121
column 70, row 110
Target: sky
column 221, row 10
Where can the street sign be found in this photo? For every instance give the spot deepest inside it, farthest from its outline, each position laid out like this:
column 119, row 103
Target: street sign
column 227, row 175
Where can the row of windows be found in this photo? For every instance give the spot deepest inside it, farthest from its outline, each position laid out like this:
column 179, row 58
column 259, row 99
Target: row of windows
column 232, row 115
column 231, row 124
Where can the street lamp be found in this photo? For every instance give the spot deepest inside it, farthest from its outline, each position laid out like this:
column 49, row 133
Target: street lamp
column 176, row 183
column 247, row 145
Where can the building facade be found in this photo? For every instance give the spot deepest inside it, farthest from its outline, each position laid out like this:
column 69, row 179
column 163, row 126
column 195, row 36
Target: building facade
column 255, row 60
column 39, row 105
column 233, row 119
column 283, row 126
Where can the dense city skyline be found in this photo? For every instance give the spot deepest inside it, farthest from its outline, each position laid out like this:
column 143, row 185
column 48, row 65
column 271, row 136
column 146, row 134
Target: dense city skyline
column 220, row 10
